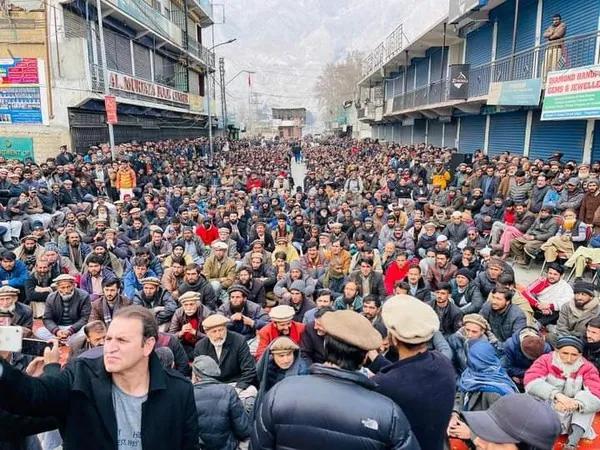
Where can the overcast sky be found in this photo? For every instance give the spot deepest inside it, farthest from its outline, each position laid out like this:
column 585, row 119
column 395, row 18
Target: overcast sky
column 287, row 42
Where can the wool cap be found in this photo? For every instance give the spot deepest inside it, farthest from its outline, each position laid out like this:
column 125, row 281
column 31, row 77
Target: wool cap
column 570, row 341
column 283, row 344
column 442, row 238
column 189, row 296
column 298, row 285
column 239, row 288
column 477, row 319
column 8, row 291
column 585, row 287
column 220, row 245
column 409, row 319
column 214, row 321
column 51, row 247
column 351, row 328
column 532, row 346
column 465, row 273
column 282, row 313
column 205, row 365
column 64, row 277
column 150, row 280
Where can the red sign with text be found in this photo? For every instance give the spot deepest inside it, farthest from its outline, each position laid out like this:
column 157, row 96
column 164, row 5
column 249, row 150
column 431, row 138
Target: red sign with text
column 110, row 104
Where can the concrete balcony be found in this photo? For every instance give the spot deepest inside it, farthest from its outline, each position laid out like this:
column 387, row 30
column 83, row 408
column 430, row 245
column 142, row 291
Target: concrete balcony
column 431, row 99
column 141, row 16
column 203, row 54
column 204, row 10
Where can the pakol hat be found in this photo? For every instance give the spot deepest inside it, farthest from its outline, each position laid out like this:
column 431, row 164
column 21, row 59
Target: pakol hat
column 409, row 319
column 351, row 328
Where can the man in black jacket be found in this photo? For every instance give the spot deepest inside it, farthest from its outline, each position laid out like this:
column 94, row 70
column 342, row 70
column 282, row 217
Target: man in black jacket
column 312, row 348
column 67, row 311
column 229, row 350
column 98, row 402
column 339, row 405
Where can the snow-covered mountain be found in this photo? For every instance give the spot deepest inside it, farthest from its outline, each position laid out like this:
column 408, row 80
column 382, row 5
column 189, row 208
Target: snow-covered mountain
column 287, row 42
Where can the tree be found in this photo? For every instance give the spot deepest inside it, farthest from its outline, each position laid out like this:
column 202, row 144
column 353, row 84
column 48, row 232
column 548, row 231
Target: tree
column 337, row 83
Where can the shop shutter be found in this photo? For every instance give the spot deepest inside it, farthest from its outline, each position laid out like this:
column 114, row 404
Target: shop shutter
column 507, row 133
column 422, row 68
column 526, row 24
column 504, row 15
column 419, row 133
column 566, row 136
column 410, row 78
column 581, row 16
column 596, row 143
column 472, row 133
column 479, row 46
column 141, row 56
column 434, row 133
column 450, row 130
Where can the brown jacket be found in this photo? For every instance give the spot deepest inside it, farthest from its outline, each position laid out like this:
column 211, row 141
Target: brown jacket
column 589, row 206
column 170, row 282
column 98, row 310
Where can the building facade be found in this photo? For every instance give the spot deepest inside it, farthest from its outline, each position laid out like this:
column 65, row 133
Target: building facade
column 500, row 48
column 155, row 62
column 289, row 122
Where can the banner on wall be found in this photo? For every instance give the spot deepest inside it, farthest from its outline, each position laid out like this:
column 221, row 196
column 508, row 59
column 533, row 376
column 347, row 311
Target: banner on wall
column 20, row 96
column 572, row 94
column 16, row 148
column 459, row 82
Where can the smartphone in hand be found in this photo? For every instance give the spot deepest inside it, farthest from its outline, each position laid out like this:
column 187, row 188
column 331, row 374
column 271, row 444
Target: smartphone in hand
column 11, row 339
column 34, row 347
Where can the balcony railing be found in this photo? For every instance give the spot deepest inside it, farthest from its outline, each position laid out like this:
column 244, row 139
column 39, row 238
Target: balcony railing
column 201, row 52
column 575, row 52
column 390, row 47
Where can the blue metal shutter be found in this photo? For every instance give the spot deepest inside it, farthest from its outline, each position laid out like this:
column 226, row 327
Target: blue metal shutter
column 422, row 67
column 581, row 16
column 437, row 65
column 507, row 133
column 479, row 46
column 505, row 16
column 419, row 134
column 388, row 132
column 406, row 135
column 566, row 136
column 434, row 133
column 450, row 130
column 410, row 77
column 472, row 133
column 596, row 143
column 526, row 24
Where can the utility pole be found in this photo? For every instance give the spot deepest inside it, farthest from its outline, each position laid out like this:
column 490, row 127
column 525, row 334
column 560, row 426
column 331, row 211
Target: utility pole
column 111, row 133
column 223, row 99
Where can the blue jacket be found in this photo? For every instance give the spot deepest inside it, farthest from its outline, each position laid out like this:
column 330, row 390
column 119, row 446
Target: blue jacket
column 427, row 408
column 514, row 360
column 16, row 277
column 131, row 284
column 222, row 420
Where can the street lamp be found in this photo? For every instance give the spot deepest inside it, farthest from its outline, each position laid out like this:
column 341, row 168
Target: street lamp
column 210, row 137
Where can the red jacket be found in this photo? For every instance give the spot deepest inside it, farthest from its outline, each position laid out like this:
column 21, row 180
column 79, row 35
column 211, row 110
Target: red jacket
column 393, row 274
column 207, row 235
column 269, row 333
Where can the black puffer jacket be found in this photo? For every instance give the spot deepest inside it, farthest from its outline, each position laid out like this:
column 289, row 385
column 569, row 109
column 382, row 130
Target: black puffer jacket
column 222, row 420
column 340, row 409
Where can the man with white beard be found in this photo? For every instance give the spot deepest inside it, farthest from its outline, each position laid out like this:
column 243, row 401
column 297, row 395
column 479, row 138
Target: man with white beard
column 231, row 352
column 13, row 313
column 67, row 311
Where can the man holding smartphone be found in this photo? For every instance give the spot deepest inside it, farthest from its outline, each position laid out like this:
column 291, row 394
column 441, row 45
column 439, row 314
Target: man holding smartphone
column 122, row 400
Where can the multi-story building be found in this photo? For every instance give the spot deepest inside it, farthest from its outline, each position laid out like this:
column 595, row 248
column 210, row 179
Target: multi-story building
column 156, row 65
column 499, row 100
column 289, row 122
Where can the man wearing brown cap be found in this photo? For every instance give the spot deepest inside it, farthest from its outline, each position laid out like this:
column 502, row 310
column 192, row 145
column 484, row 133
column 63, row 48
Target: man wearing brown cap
column 422, row 382
column 338, row 404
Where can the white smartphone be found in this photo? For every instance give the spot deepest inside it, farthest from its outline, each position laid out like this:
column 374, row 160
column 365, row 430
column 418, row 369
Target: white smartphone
column 11, row 339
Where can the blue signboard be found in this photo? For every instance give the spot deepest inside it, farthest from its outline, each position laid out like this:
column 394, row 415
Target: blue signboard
column 20, row 105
